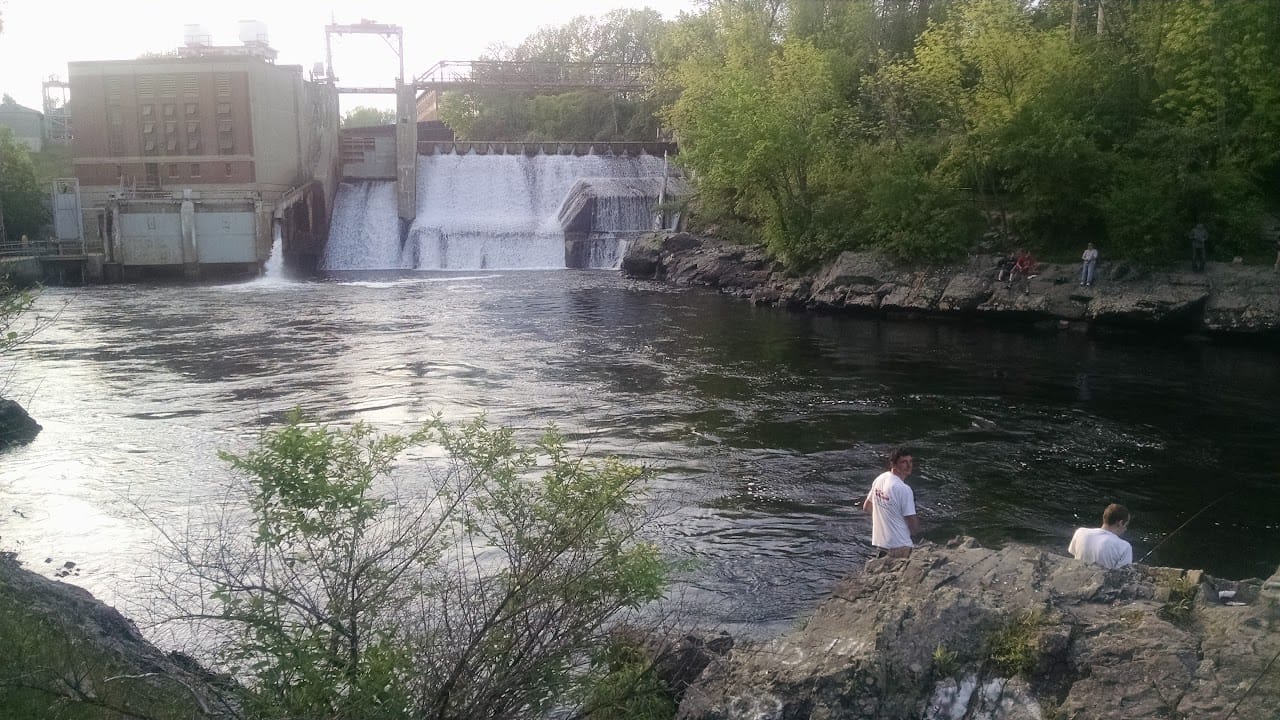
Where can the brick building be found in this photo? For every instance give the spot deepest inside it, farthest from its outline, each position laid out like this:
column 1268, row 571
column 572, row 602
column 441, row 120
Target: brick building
column 196, row 160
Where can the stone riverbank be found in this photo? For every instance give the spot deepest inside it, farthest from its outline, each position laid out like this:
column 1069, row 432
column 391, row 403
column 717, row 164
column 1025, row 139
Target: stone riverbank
column 1227, row 300
column 966, row 632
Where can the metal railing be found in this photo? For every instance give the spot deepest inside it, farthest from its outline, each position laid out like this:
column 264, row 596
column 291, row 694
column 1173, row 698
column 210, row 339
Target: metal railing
column 43, row 248
column 535, row 75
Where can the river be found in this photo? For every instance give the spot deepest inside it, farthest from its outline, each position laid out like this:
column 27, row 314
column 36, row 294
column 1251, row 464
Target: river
column 764, row 427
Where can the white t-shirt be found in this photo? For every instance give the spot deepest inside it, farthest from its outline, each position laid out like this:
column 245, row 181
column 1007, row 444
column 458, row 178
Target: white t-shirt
column 891, row 501
column 1100, row 547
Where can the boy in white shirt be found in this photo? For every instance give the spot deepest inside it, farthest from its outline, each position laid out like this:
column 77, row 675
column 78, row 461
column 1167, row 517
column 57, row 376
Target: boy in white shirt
column 1103, row 546
column 892, row 505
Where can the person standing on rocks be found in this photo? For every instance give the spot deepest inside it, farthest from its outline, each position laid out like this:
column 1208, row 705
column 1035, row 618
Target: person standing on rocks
column 1102, row 545
column 1088, row 266
column 892, row 505
column 1024, row 269
column 1199, row 237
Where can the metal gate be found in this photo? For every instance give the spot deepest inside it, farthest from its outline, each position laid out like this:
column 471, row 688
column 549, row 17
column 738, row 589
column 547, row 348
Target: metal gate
column 226, row 237
column 68, row 223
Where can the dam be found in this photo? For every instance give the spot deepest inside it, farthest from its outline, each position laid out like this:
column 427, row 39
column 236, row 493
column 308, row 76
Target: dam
column 499, row 210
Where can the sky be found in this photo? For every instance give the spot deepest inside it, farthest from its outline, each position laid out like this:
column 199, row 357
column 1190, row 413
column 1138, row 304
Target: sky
column 41, row 36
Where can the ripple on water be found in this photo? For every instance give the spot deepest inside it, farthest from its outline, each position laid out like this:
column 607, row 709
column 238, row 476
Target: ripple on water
column 763, row 428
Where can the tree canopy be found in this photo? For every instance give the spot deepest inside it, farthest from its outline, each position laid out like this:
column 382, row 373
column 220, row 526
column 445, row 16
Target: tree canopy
column 621, row 36
column 912, row 126
column 363, row 116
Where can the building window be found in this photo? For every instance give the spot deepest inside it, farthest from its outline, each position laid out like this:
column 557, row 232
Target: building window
column 226, row 143
column 168, row 86
column 195, row 170
column 148, row 127
column 227, row 169
column 148, row 110
column 224, row 108
column 146, row 86
column 170, row 110
column 193, row 142
column 222, row 82
column 171, row 144
column 190, row 86
column 193, row 128
column 192, row 108
column 173, row 171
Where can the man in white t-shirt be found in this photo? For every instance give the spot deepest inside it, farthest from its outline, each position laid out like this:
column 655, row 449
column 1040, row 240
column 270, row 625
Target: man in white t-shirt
column 893, row 507
column 1103, row 546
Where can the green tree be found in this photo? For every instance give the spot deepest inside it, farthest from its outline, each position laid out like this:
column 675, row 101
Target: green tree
column 475, row 592
column 621, row 36
column 22, row 200
column 363, row 116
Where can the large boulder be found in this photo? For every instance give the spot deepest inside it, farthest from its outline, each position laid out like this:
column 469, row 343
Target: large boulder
column 969, row 632
column 16, row 426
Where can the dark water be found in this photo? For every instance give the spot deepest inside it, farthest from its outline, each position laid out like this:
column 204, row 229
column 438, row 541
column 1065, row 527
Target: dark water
column 765, row 427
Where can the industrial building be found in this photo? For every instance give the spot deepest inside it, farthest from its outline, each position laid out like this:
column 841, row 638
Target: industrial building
column 27, row 124
column 193, row 162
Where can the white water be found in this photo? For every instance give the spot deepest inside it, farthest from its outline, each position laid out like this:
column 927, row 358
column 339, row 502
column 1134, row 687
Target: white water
column 365, row 231
column 274, row 267
column 482, row 212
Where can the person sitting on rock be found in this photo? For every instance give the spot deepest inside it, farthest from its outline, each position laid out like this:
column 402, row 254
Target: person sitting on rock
column 1102, row 545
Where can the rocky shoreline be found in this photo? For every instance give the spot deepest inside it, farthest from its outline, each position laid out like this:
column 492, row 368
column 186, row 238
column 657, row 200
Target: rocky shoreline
column 1228, row 300
column 64, row 648
column 955, row 631
column 1018, row 633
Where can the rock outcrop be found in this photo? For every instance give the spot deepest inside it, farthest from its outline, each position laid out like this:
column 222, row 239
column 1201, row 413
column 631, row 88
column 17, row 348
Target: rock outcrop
column 65, row 648
column 16, row 426
column 1226, row 299
column 968, row 632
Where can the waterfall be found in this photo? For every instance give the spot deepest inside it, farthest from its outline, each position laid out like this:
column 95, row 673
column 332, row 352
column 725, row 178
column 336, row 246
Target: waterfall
column 493, row 211
column 273, row 269
column 365, row 231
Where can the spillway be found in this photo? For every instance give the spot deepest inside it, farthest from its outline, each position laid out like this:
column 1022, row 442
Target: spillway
column 498, row 211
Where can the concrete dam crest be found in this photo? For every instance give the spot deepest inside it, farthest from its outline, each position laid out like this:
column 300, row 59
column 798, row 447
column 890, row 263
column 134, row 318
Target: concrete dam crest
column 502, row 211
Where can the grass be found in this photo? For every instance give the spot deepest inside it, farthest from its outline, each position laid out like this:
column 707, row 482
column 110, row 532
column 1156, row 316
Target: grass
column 1180, row 606
column 1014, row 648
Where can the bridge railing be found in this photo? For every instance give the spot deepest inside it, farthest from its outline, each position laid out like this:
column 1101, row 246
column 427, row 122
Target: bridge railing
column 42, row 248
column 535, row 75
column 489, row 147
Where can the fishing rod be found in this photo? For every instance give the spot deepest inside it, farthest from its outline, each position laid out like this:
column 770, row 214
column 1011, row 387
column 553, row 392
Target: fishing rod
column 1188, row 522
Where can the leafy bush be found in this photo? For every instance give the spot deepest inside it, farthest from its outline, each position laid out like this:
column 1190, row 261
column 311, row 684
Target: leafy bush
column 473, row 592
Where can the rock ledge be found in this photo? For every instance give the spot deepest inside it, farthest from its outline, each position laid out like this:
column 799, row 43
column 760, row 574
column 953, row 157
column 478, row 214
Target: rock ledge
column 968, row 632
column 1227, row 300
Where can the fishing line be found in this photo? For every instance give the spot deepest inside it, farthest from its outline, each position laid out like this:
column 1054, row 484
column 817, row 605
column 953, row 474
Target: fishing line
column 1188, row 522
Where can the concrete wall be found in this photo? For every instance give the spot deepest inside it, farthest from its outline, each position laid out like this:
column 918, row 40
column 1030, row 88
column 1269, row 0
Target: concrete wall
column 277, row 104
